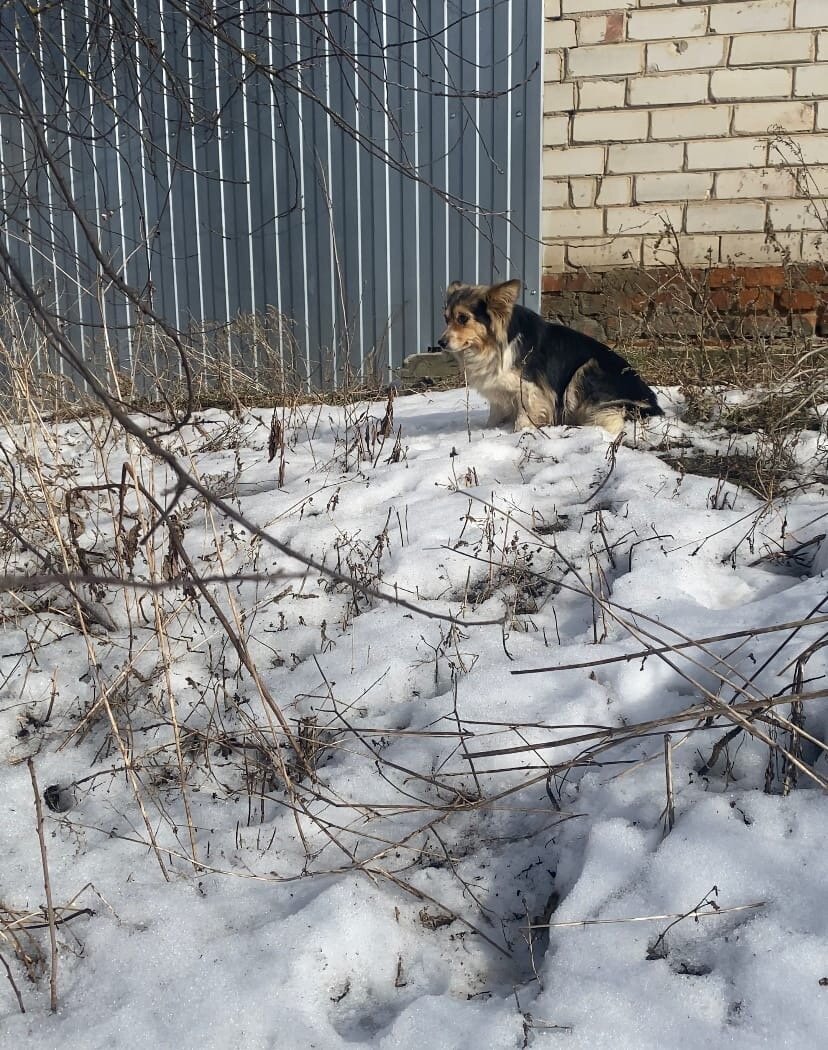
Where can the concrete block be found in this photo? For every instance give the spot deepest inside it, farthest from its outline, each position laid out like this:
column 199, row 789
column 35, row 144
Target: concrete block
column 757, row 118
column 795, row 150
column 669, row 186
column 576, row 160
column 576, row 7
column 753, row 16
column 602, row 94
column 645, row 156
column 667, row 25
column 572, row 222
column 747, row 248
column 554, row 258
column 766, row 82
column 583, row 192
column 760, row 183
column 701, row 53
column 669, row 89
column 811, row 81
column 796, row 215
column 769, row 49
column 558, row 98
column 605, row 60
column 614, row 189
column 725, row 217
column 555, row 193
column 713, row 154
column 556, row 130
column 605, row 253
column 644, row 219
column 690, row 122
column 810, row 14
column 610, row 127
column 692, row 249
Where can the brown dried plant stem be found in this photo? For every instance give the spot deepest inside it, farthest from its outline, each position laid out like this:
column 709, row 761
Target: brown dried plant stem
column 696, row 912
column 15, row 989
column 641, row 654
column 50, row 911
column 670, row 814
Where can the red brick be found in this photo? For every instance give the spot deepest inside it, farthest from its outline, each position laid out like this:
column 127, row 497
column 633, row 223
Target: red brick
column 553, row 282
column 722, row 299
column 762, row 276
column 756, row 298
column 793, row 299
column 583, row 282
column 815, row 275
column 615, row 27
column 722, row 277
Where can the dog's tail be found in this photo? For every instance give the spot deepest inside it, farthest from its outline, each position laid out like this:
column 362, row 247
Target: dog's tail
column 640, row 408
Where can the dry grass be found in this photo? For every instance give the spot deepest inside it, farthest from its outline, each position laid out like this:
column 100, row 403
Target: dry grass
column 251, row 361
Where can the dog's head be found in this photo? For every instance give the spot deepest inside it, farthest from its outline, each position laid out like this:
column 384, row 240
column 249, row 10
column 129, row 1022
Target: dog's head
column 477, row 316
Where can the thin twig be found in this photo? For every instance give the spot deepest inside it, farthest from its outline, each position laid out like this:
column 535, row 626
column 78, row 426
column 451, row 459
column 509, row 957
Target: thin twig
column 695, row 912
column 11, row 982
column 50, row 911
column 670, row 817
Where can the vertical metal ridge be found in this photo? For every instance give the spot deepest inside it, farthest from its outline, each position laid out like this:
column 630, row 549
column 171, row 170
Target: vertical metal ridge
column 126, row 343
column 19, row 68
column 477, row 158
column 176, row 254
column 223, row 235
column 196, row 191
column 329, row 213
column 447, row 180
column 509, row 82
column 273, row 115
column 52, row 210
column 418, row 298
column 247, row 183
column 303, row 202
column 70, row 146
column 358, row 161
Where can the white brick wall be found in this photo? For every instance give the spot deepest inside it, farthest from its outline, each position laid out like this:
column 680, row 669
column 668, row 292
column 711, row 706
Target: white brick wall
column 672, row 113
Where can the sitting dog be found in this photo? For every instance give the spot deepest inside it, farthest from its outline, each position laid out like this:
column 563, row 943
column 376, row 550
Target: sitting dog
column 534, row 373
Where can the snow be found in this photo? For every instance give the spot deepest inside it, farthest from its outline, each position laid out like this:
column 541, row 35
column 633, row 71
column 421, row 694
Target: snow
column 266, row 944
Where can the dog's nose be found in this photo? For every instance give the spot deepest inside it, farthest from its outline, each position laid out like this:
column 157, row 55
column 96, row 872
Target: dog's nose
column 442, row 342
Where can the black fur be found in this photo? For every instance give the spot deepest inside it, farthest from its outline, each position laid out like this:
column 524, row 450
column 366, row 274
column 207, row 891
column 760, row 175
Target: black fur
column 554, row 353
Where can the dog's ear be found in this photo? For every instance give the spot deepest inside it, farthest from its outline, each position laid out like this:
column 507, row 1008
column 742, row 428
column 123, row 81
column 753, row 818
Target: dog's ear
column 500, row 298
column 455, row 286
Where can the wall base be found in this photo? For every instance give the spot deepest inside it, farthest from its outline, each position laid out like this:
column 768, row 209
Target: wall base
column 725, row 304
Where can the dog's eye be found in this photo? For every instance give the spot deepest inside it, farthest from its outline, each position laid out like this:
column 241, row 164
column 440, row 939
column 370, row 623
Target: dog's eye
column 462, row 318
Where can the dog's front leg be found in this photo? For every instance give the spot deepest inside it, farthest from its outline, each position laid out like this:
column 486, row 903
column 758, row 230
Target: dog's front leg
column 501, row 413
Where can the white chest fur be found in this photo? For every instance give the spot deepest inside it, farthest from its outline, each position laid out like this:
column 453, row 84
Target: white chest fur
column 494, row 372
column 512, row 399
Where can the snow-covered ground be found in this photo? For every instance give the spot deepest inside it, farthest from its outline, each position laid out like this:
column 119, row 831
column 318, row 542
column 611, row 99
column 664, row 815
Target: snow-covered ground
column 384, row 900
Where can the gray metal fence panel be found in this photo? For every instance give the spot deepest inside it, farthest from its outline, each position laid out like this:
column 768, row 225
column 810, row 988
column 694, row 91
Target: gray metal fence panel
column 220, row 193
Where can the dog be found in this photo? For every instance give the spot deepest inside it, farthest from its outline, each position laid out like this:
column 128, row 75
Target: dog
column 534, row 373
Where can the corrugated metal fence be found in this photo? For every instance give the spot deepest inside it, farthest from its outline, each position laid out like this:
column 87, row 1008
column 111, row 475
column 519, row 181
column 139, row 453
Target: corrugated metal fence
column 337, row 168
